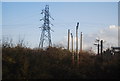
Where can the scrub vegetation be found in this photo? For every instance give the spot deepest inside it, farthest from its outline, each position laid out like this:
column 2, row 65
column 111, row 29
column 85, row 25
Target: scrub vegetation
column 21, row 62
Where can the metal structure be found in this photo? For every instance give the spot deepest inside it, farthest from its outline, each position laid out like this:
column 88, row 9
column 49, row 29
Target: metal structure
column 45, row 38
column 116, row 50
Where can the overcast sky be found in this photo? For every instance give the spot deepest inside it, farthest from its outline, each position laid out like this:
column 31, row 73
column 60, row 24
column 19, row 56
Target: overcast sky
column 97, row 20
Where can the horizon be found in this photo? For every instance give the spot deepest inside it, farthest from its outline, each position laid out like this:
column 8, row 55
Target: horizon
column 97, row 20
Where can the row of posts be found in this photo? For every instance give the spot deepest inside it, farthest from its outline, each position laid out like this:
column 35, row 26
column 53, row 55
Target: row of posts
column 99, row 45
column 75, row 55
column 76, row 40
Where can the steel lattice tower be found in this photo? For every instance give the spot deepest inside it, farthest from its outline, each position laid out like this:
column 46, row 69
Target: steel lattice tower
column 45, row 34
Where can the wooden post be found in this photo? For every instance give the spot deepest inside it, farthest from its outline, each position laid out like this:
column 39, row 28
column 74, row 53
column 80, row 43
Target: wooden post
column 68, row 38
column 72, row 49
column 101, row 46
column 81, row 43
column 77, row 43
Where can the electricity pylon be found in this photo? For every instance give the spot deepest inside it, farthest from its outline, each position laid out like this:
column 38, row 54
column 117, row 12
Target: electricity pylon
column 45, row 35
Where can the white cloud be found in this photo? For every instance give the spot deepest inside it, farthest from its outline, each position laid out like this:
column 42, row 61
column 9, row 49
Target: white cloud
column 109, row 35
column 112, row 27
